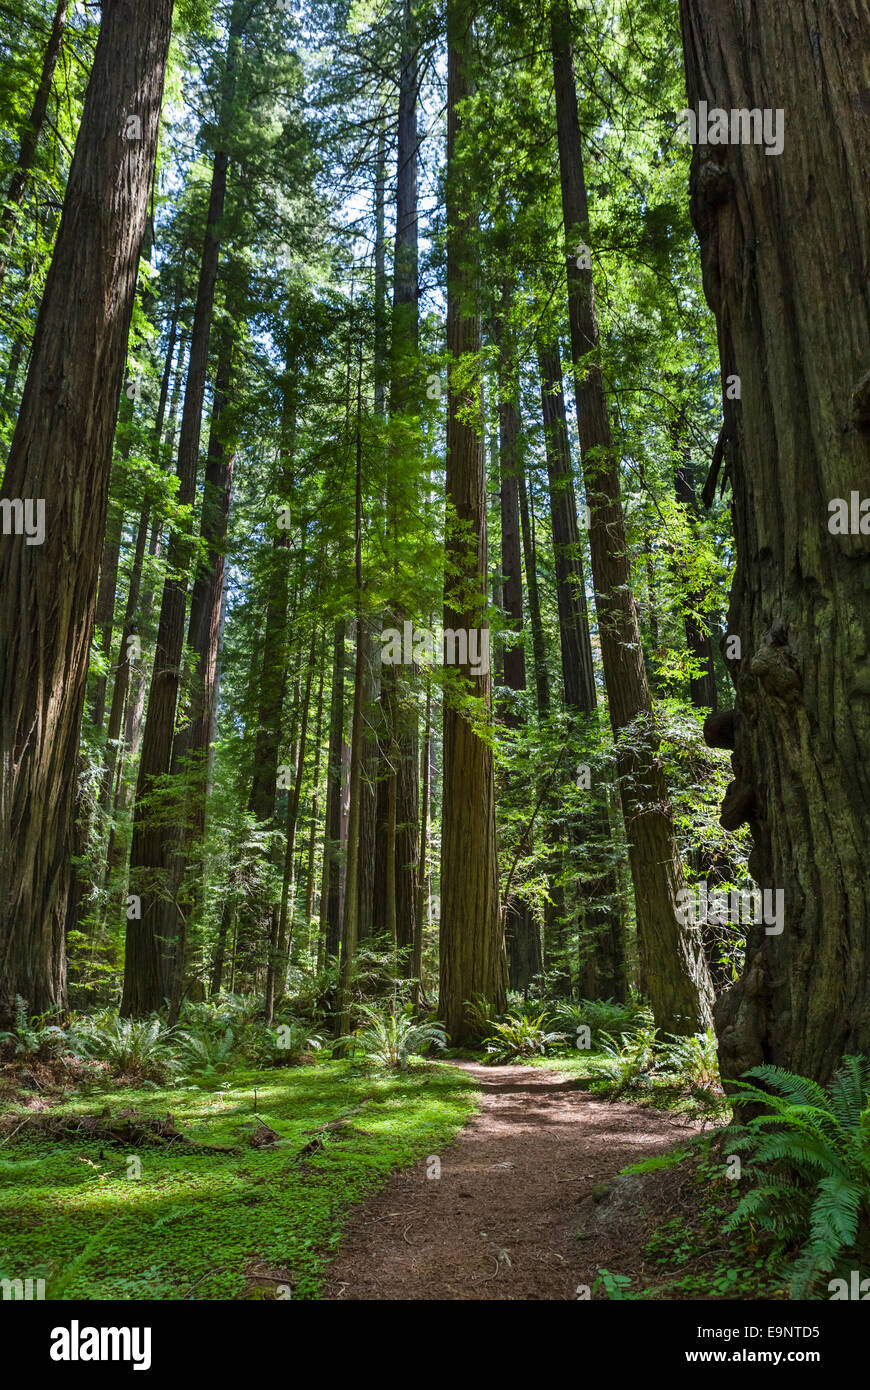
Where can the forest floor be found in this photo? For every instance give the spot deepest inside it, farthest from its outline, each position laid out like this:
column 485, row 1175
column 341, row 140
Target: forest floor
column 451, row 1180
column 528, row 1204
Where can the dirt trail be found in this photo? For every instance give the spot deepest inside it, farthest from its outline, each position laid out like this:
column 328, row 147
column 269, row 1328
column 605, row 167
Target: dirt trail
column 516, row 1187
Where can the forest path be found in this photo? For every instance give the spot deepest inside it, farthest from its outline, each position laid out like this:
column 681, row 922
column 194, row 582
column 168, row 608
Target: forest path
column 516, row 1187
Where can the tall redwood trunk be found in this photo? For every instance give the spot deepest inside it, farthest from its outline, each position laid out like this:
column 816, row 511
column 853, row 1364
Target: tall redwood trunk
column 539, row 645
column 330, row 896
column 61, row 453
column 351, row 910
column 602, row 939
column 472, row 954
column 190, row 752
column 671, row 956
column 145, row 980
column 121, row 682
column 509, row 500
column 403, row 828
column 578, row 672
column 522, row 932
column 784, row 250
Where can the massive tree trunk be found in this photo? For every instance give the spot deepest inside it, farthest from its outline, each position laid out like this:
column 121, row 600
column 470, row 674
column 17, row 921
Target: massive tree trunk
column 473, row 959
column 671, row 955
column 30, row 136
column 61, row 453
column 784, row 247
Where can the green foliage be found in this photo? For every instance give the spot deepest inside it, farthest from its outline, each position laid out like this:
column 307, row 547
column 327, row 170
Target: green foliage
column 601, row 1016
column 810, row 1148
column 206, row 1055
column 32, row 1036
column 627, row 1064
column 132, row 1046
column 521, row 1038
column 288, row 1043
column 481, row 1014
column 614, row 1286
column 390, row 1039
column 183, row 1229
column 693, row 1059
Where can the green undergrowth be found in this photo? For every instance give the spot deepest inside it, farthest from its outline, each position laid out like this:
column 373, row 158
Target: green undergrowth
column 676, row 1094
column 194, row 1225
column 692, row 1255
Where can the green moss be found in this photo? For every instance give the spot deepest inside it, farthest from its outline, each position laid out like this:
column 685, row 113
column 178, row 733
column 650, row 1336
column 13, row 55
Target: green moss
column 193, row 1223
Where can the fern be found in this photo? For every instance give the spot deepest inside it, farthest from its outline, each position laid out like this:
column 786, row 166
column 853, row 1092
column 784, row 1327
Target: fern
column 521, row 1038
column 816, row 1190
column 391, row 1039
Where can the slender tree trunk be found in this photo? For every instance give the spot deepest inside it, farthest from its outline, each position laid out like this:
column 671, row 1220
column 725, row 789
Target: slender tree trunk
column 522, row 932
column 784, row 251
column 135, row 714
column 539, row 645
column 61, row 453
column 578, row 672
column 330, row 905
column 121, row 683
column 278, row 972
column 422, row 916
column 368, row 832
column 190, row 753
column 509, row 499
column 30, row 137
column 11, row 379
column 315, row 801
column 674, row 965
column 105, row 612
column 702, row 686
column 473, row 960
column 144, row 972
column 351, row 912
column 403, row 790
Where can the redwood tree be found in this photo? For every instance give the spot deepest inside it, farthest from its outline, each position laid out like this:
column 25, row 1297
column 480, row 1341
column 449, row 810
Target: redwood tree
column 473, row 959
column 61, row 453
column 672, row 962
column 784, row 247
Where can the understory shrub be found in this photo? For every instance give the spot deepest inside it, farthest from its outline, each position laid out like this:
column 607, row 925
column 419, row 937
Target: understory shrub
column 810, row 1167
